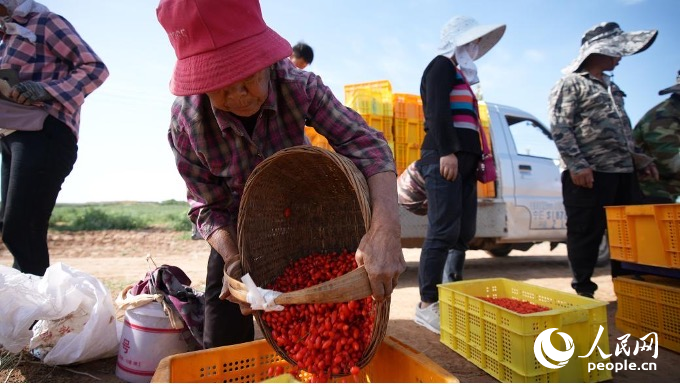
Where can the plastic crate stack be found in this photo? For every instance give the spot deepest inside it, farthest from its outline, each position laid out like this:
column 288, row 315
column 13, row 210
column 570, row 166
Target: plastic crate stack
column 646, row 239
column 400, row 117
column 373, row 101
column 488, row 189
column 409, row 129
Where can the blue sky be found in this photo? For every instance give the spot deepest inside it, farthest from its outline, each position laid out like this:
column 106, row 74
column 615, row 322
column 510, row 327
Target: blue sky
column 123, row 150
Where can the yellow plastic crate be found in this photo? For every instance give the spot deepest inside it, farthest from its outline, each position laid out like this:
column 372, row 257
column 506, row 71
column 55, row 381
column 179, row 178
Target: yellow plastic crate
column 408, row 106
column 412, row 153
column 501, row 341
column 400, row 157
column 408, row 131
column 394, row 362
column 645, row 234
column 650, row 305
column 400, row 130
column 486, row 190
column 382, row 124
column 370, row 98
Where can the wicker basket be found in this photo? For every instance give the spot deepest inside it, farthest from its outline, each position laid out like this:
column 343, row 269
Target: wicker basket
column 302, row 200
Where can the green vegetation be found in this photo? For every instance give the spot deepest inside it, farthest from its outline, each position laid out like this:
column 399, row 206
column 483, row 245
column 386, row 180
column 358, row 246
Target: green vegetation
column 171, row 215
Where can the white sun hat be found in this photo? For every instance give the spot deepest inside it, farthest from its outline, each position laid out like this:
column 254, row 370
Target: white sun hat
column 461, row 30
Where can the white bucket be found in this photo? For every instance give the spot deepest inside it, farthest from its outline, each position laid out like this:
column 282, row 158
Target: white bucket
column 147, row 337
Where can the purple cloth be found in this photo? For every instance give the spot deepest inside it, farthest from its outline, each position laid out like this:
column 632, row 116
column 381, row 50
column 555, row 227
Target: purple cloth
column 175, row 286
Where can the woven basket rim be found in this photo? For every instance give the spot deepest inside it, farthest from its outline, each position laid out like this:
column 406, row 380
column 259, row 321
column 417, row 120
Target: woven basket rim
column 358, row 184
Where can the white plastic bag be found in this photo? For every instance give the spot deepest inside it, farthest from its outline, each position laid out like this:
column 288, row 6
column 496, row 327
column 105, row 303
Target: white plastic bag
column 75, row 313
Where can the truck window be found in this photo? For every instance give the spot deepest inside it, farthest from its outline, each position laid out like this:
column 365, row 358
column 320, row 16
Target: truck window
column 531, row 138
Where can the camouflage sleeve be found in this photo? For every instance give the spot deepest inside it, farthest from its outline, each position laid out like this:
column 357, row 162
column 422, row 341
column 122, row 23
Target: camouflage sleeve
column 640, row 159
column 562, row 110
column 658, row 135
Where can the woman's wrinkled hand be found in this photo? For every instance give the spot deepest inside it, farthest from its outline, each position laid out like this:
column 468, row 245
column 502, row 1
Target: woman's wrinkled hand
column 232, row 268
column 380, row 252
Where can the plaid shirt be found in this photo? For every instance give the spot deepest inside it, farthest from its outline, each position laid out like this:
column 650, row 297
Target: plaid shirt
column 215, row 155
column 59, row 59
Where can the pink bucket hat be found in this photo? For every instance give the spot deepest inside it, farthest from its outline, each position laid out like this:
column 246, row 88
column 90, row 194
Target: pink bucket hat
column 217, row 42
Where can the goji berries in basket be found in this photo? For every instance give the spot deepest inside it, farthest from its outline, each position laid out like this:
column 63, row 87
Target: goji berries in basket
column 326, row 339
column 519, row 306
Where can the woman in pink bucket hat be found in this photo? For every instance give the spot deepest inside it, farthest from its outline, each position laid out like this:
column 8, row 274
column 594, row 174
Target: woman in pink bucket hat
column 240, row 100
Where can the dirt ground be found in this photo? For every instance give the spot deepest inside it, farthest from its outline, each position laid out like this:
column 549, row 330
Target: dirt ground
column 119, row 258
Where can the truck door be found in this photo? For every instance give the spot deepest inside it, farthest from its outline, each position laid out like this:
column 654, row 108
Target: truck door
column 535, row 193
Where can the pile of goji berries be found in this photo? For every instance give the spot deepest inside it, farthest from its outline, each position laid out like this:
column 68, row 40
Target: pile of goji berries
column 519, row 306
column 324, row 339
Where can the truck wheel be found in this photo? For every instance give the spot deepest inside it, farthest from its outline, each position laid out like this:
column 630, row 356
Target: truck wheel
column 500, row 250
column 603, row 254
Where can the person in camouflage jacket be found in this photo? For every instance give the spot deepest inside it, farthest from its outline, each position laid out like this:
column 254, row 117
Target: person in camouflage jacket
column 594, row 137
column 658, row 134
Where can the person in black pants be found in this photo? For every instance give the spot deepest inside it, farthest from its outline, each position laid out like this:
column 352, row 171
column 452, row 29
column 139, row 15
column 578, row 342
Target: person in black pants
column 56, row 70
column 449, row 155
column 594, row 137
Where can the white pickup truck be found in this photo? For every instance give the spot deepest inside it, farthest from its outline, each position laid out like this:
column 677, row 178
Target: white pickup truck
column 525, row 204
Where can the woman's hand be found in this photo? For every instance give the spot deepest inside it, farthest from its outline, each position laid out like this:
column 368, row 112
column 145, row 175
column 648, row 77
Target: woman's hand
column 380, row 252
column 232, row 268
column 448, row 166
column 380, row 248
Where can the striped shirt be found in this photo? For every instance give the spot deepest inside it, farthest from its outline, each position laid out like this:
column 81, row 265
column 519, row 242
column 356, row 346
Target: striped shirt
column 215, row 155
column 450, row 106
column 59, row 60
column 464, row 109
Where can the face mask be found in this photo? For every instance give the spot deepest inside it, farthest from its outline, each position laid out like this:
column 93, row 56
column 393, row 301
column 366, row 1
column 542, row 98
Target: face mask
column 466, row 63
column 472, row 49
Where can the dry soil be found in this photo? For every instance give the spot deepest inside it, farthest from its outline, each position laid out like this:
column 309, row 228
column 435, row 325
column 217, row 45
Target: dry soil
column 119, row 258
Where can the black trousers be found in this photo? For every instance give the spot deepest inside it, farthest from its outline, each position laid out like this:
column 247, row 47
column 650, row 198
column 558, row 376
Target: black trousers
column 34, row 166
column 451, row 218
column 587, row 221
column 224, row 323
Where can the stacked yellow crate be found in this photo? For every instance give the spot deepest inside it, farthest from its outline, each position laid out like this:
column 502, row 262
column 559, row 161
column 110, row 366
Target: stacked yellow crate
column 373, row 101
column 400, row 118
column 646, row 240
column 488, row 189
column 409, row 129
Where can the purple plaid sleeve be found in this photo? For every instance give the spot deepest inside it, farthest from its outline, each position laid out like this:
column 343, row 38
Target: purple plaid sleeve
column 60, row 60
column 214, row 154
column 88, row 71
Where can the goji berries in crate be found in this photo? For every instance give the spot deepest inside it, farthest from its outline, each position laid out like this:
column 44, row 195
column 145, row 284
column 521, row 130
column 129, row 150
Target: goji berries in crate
column 394, row 362
column 501, row 341
column 297, row 202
